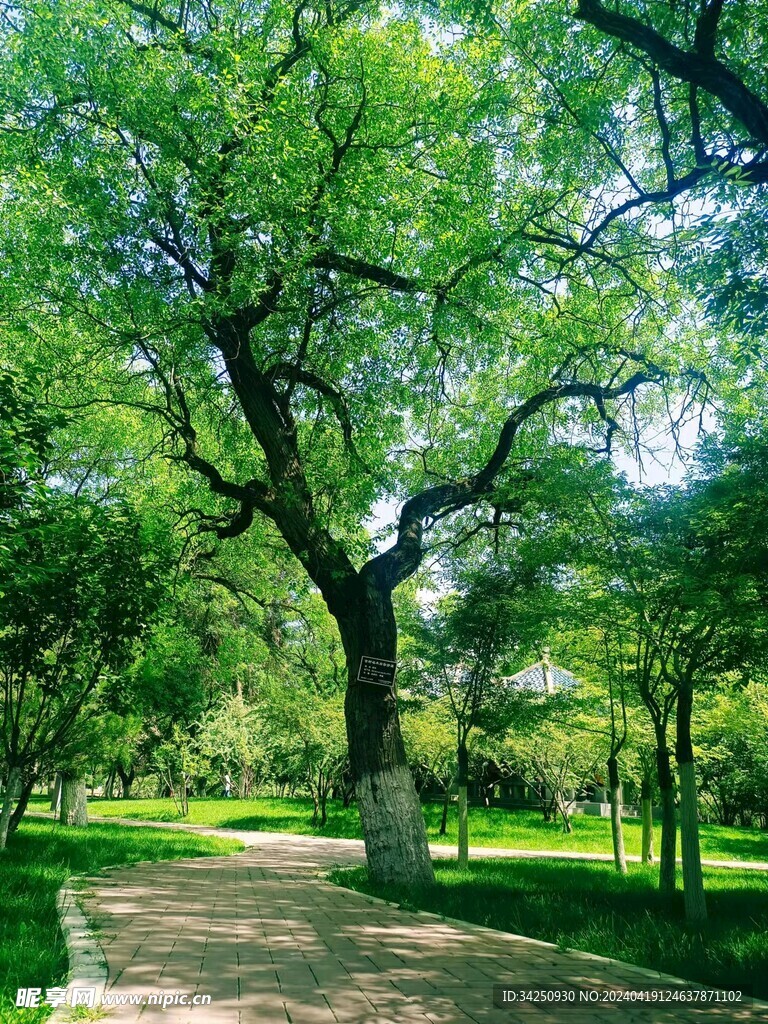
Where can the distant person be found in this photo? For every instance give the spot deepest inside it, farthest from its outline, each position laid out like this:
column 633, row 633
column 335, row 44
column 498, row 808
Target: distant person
column 227, row 785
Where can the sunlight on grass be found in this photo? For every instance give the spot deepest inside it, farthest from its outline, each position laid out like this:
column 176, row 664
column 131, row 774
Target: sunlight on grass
column 495, row 826
column 588, row 906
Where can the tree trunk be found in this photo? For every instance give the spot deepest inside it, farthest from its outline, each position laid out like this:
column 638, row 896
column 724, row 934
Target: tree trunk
column 11, row 782
column 324, row 805
column 109, row 785
column 667, row 865
column 462, row 778
column 56, row 795
column 393, row 825
column 74, row 806
column 446, row 804
column 693, row 880
column 21, row 806
column 349, row 793
column 562, row 807
column 646, row 805
column 617, row 833
column 126, row 778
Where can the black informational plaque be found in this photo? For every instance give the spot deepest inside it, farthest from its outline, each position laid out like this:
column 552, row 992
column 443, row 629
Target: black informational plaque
column 376, row 671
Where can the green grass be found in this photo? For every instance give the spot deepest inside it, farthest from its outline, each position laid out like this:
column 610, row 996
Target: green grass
column 38, row 860
column 523, row 830
column 587, row 906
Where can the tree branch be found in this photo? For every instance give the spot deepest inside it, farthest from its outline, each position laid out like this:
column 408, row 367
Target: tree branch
column 700, row 67
column 403, row 558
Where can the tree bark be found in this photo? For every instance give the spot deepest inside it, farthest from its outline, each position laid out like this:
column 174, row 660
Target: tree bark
column 668, row 851
column 446, row 804
column 126, row 778
column 21, row 806
column 56, row 795
column 392, row 822
column 562, row 807
column 617, row 833
column 74, row 807
column 315, row 805
column 324, row 804
column 462, row 778
column 646, row 805
column 702, row 70
column 693, row 879
column 11, row 782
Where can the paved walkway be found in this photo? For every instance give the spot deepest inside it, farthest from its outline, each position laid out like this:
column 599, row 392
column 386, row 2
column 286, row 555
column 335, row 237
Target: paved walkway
column 355, row 847
column 271, row 943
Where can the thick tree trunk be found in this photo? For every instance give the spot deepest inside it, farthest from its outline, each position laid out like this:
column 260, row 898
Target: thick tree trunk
column 11, row 784
column 74, row 806
column 462, row 778
column 21, row 806
column 390, row 813
column 668, row 851
column 349, row 793
column 646, row 805
column 126, row 778
column 617, row 833
column 693, row 880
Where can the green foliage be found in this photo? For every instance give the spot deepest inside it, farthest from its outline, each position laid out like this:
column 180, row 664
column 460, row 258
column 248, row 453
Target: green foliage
column 429, row 734
column 84, row 581
column 732, row 754
column 388, row 182
column 25, row 440
column 232, row 739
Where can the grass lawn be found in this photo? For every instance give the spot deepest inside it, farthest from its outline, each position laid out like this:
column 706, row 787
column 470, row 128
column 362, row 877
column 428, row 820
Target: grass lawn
column 523, row 830
column 38, row 860
column 587, row 906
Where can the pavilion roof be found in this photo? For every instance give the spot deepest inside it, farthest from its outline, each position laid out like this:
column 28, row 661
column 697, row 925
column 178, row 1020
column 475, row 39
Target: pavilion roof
column 534, row 678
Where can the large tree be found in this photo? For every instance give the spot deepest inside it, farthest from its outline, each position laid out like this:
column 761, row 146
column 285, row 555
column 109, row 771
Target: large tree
column 303, row 237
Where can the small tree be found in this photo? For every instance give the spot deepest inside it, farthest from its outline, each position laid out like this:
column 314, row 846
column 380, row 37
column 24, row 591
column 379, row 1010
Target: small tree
column 463, row 643
column 176, row 761
column 732, row 753
column 556, row 760
column 308, row 740
column 79, row 581
column 430, row 744
column 230, row 736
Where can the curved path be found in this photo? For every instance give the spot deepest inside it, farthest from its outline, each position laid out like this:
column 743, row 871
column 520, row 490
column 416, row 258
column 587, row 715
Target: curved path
column 271, row 943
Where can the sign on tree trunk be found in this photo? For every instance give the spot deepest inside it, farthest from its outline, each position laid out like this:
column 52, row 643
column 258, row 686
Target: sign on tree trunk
column 377, row 671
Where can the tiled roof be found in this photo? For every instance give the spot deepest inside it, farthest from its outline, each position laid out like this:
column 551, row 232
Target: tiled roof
column 532, row 678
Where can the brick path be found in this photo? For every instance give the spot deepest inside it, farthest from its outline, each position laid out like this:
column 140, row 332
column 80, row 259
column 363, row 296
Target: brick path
column 273, row 944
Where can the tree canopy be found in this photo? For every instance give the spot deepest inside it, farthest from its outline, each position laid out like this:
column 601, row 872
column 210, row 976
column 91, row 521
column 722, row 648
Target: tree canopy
column 335, row 257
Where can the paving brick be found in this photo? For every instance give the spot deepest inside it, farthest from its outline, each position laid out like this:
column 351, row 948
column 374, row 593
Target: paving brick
column 273, row 943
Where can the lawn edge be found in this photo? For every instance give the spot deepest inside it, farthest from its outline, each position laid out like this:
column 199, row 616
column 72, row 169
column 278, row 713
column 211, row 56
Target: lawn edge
column 87, row 962
column 437, row 850
column 606, row 962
